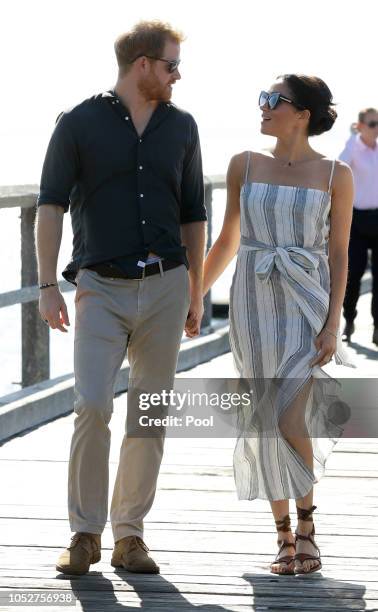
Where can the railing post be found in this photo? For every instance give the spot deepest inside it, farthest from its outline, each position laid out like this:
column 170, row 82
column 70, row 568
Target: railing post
column 206, row 321
column 35, row 333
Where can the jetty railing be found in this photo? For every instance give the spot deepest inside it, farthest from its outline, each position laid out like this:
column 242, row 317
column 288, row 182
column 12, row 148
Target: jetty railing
column 35, row 352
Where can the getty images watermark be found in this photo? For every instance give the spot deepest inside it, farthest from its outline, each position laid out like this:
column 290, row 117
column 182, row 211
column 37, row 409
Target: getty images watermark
column 182, row 400
column 252, row 407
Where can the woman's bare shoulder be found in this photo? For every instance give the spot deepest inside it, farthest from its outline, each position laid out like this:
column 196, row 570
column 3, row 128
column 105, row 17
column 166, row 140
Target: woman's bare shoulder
column 237, row 165
column 343, row 176
column 239, row 160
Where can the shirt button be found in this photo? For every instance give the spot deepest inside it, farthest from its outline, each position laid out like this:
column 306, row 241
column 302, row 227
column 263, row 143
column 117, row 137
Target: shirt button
column 143, row 222
column 140, row 167
column 126, row 118
column 142, row 195
column 140, row 140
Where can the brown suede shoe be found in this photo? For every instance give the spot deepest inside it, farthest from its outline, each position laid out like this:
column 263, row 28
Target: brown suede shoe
column 85, row 548
column 131, row 553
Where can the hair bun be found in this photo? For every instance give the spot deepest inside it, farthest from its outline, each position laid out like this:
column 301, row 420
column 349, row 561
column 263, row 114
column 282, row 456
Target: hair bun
column 325, row 121
column 313, row 94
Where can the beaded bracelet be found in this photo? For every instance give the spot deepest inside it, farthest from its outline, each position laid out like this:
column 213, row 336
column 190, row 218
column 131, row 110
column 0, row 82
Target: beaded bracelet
column 45, row 285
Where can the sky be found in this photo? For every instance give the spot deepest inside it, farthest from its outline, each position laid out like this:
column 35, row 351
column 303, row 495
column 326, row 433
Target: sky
column 55, row 54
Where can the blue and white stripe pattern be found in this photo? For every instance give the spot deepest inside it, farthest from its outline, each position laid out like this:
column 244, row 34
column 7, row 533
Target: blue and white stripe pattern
column 278, row 304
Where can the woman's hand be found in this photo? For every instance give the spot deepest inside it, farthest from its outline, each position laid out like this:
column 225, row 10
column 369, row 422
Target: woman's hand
column 325, row 344
column 194, row 318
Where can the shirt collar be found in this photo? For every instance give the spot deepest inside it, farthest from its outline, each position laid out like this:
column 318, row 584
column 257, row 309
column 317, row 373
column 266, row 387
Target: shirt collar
column 111, row 96
column 160, row 112
column 363, row 146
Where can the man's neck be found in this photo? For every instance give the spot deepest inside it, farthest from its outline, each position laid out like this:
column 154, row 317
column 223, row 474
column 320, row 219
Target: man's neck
column 368, row 142
column 131, row 97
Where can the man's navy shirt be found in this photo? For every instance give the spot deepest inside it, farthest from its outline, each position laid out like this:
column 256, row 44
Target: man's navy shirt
column 127, row 194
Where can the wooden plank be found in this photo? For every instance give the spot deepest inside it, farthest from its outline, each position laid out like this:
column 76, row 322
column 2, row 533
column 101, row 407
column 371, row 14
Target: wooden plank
column 359, row 500
column 49, row 533
column 355, row 526
column 231, row 511
column 45, row 557
column 123, row 583
column 171, row 602
column 22, row 472
column 203, row 520
column 343, row 463
column 234, row 576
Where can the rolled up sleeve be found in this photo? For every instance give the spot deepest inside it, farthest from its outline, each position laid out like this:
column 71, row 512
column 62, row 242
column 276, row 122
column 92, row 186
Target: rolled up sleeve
column 61, row 165
column 192, row 183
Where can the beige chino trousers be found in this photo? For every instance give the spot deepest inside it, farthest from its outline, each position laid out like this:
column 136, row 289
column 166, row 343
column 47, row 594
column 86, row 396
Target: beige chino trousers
column 144, row 318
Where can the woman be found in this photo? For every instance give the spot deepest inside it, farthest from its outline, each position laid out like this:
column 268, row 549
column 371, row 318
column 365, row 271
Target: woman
column 290, row 211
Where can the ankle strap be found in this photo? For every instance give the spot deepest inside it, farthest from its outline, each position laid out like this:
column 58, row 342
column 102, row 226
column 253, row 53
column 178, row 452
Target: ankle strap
column 305, row 514
column 283, row 524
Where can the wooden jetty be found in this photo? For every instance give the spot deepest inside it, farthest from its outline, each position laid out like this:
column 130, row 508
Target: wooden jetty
column 213, row 550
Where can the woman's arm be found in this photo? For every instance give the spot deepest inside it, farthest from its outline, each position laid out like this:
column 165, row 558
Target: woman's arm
column 341, row 219
column 227, row 244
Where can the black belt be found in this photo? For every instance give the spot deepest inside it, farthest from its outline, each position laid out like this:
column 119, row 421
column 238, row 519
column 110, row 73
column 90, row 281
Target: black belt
column 112, row 271
column 365, row 210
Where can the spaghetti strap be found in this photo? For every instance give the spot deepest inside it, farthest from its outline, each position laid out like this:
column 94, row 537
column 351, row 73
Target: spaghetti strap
column 331, row 177
column 247, row 167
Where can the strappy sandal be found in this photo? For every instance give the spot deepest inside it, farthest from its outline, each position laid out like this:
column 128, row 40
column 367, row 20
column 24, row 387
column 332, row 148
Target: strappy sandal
column 283, row 525
column 306, row 515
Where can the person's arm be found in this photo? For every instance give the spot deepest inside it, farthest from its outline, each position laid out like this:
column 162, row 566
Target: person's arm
column 48, row 236
column 193, row 236
column 59, row 173
column 193, row 227
column 227, row 244
column 340, row 223
column 346, row 154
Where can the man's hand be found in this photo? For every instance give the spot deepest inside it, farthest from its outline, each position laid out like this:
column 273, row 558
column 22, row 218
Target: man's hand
column 194, row 318
column 53, row 309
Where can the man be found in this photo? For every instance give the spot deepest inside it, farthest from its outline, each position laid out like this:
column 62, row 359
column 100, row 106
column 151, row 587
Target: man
column 361, row 153
column 127, row 163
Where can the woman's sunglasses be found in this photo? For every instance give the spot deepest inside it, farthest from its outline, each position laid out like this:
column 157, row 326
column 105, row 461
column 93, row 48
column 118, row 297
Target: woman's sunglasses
column 172, row 65
column 274, row 99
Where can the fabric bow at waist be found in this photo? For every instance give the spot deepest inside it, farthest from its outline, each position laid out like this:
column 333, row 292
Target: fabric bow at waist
column 294, row 263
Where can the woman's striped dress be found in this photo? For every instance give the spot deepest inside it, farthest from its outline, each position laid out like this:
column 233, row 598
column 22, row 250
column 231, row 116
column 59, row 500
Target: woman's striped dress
column 278, row 304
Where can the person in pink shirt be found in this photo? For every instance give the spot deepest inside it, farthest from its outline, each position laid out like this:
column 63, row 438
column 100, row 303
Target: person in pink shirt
column 361, row 154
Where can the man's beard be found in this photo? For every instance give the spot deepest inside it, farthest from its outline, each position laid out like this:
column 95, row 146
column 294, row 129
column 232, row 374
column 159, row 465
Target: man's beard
column 152, row 89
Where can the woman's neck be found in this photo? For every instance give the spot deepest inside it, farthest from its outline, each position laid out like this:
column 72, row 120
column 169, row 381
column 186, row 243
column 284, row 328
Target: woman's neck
column 292, row 150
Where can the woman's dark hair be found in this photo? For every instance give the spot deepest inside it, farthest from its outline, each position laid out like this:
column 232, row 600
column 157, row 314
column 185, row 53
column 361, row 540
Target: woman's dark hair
column 314, row 95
